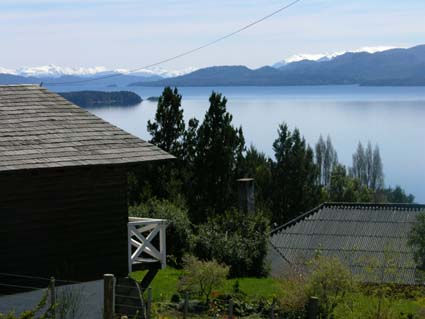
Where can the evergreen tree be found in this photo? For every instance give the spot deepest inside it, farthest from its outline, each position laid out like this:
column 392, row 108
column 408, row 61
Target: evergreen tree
column 295, row 188
column 168, row 129
column 219, row 151
column 162, row 179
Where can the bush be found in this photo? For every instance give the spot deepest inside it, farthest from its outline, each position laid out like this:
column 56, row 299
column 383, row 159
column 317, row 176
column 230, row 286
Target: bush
column 179, row 231
column 330, row 281
column 324, row 277
column 201, row 277
column 235, row 239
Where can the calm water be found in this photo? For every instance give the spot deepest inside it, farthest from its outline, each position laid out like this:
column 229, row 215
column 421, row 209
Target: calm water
column 393, row 118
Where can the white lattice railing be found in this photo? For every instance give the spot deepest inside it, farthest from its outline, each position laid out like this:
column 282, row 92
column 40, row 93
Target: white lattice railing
column 141, row 247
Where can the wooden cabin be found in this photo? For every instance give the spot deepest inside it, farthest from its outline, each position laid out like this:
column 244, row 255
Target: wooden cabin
column 63, row 190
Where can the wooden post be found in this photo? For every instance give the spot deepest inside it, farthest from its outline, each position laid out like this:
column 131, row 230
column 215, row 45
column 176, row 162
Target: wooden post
column 149, row 304
column 186, row 304
column 163, row 244
column 231, row 309
column 272, row 309
column 108, row 296
column 313, row 308
column 52, row 289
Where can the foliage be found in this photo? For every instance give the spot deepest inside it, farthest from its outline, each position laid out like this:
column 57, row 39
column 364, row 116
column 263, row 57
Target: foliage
column 294, row 176
column 258, row 166
column 367, row 167
column 344, row 188
column 360, row 305
column 324, row 277
column 219, row 148
column 179, row 231
column 168, row 128
column 395, row 195
column 236, row 239
column 330, row 281
column 417, row 240
column 201, row 277
column 293, row 296
column 165, row 283
column 100, row 98
column 326, row 159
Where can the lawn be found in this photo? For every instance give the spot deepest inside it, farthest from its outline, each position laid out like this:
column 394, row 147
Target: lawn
column 165, row 285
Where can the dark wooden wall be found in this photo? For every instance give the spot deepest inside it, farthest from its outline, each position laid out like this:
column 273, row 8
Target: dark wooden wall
column 69, row 223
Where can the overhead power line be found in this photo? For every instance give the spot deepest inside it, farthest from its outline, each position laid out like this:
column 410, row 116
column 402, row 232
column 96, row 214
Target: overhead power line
column 183, row 53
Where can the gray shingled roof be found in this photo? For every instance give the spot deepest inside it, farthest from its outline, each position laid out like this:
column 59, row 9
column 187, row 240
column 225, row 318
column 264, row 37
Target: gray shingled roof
column 40, row 129
column 370, row 238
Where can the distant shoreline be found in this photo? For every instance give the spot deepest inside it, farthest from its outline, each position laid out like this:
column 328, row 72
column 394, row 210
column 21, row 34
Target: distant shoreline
column 102, row 98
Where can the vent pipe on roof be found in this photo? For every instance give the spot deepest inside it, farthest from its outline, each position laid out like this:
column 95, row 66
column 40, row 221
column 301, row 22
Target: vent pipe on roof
column 246, row 195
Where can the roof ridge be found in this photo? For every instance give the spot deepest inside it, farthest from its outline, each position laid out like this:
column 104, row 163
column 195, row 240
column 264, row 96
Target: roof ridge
column 401, row 206
column 299, row 218
column 386, row 205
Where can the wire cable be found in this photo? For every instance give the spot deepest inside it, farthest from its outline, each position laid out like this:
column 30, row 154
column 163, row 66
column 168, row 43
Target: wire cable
column 183, row 53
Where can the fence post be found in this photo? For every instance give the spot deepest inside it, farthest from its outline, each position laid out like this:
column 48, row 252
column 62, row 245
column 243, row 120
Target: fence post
column 52, row 288
column 313, row 308
column 272, row 309
column 108, row 296
column 186, row 304
column 149, row 304
column 231, row 309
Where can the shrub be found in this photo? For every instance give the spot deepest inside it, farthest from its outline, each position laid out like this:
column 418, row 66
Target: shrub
column 201, row 277
column 330, row 281
column 323, row 277
column 293, row 296
column 235, row 239
column 179, row 231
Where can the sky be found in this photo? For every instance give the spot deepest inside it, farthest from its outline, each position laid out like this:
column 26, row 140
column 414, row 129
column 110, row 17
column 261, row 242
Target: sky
column 134, row 33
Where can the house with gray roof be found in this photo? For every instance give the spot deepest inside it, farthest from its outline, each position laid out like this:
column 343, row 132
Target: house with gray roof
column 371, row 239
column 63, row 186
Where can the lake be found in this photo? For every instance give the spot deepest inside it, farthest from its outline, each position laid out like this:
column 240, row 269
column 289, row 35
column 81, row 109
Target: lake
column 392, row 117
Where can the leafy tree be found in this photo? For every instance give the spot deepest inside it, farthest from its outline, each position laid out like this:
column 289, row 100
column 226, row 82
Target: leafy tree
column 395, row 195
column 219, row 150
column 295, row 188
column 367, row 167
column 237, row 239
column 326, row 159
column 201, row 277
column 344, row 188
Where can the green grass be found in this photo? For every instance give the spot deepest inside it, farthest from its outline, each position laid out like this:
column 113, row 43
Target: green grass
column 165, row 285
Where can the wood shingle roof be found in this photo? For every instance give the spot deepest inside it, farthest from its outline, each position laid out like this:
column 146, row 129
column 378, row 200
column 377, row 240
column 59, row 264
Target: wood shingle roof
column 40, row 129
column 371, row 239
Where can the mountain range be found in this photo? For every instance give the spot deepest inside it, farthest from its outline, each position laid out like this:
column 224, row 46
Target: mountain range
column 366, row 66
column 390, row 67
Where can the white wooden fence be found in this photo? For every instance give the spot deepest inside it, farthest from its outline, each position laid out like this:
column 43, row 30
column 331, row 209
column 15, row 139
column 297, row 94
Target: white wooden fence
column 141, row 248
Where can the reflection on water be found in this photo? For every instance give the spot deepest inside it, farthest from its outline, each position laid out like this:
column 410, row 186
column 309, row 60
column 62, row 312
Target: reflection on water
column 391, row 117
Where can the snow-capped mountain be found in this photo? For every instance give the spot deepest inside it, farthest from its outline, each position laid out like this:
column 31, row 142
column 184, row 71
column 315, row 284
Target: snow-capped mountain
column 54, row 71
column 328, row 56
